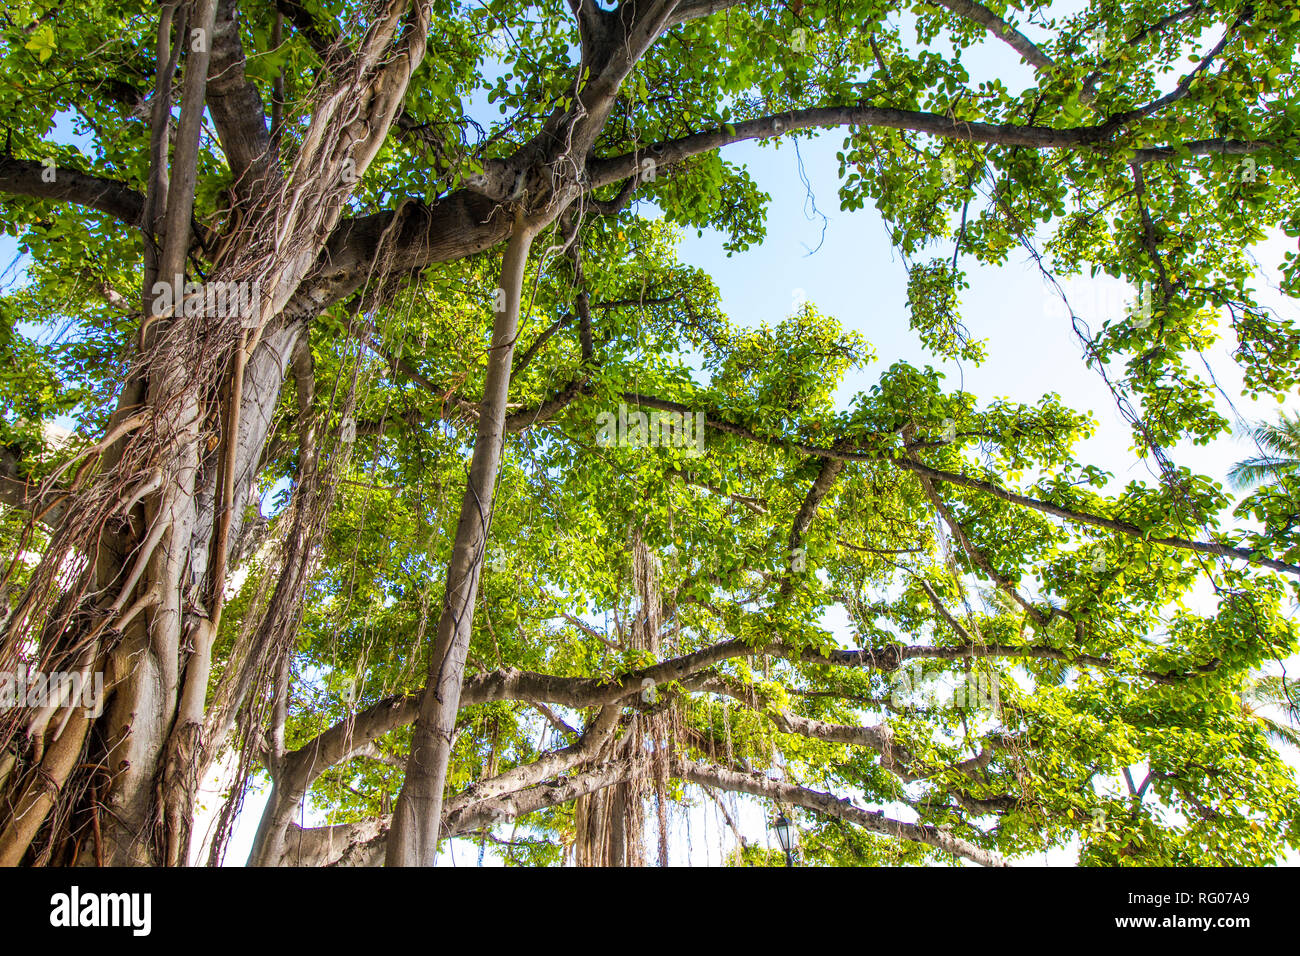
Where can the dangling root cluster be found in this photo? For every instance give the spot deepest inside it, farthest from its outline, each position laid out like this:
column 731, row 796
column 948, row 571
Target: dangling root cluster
column 610, row 823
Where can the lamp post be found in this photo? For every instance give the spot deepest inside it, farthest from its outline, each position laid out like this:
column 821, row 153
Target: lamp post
column 785, row 837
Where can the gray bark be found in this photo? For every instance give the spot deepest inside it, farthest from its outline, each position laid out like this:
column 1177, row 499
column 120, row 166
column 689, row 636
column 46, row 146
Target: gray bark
column 414, row 837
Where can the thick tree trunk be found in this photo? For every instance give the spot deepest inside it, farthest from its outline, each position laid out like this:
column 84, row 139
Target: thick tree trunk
column 413, row 838
column 173, row 475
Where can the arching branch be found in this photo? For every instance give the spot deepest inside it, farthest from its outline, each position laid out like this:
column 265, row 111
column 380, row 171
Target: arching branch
column 759, row 785
column 602, row 172
column 362, row 844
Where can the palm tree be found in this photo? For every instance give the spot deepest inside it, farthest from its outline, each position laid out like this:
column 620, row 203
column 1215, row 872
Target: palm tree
column 1269, row 690
column 1280, row 447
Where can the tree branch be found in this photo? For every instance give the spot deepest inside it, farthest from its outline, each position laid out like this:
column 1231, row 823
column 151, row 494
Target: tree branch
column 362, row 844
column 1097, row 521
column 236, row 108
column 1059, row 511
column 23, row 177
column 605, row 171
column 759, row 785
column 999, row 28
column 17, row 490
column 688, row 10
column 826, row 475
column 1089, row 89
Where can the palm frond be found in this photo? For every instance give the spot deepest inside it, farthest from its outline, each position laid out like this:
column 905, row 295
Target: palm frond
column 1281, row 438
column 1256, row 471
column 1271, row 690
column 1280, row 733
column 1280, row 443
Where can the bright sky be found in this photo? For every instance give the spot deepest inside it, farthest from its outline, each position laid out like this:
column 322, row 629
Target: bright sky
column 856, row 277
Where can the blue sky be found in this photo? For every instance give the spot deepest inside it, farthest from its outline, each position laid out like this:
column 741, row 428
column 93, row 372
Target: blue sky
column 856, row 277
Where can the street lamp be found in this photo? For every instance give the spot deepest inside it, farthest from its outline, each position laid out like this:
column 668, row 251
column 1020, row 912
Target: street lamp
column 785, row 837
